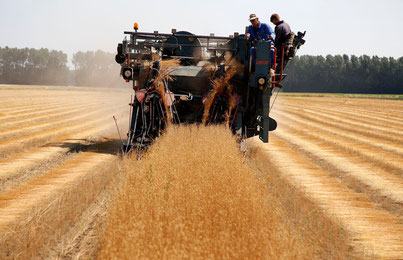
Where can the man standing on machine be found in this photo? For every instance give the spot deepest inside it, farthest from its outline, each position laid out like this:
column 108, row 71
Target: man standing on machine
column 283, row 31
column 258, row 31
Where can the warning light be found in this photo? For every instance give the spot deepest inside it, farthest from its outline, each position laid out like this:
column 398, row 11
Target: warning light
column 136, row 26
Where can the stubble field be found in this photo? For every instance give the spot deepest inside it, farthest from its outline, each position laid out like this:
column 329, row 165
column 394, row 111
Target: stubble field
column 332, row 174
column 347, row 155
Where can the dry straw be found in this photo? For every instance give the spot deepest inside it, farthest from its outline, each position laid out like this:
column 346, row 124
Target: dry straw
column 192, row 197
column 219, row 85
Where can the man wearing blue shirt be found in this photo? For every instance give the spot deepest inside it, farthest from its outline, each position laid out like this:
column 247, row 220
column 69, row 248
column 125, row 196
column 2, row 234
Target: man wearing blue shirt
column 258, row 31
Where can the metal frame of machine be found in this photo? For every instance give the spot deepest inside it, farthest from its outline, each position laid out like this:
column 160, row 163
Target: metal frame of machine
column 180, row 94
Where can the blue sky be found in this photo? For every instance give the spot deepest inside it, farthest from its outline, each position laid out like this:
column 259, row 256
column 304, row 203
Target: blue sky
column 333, row 26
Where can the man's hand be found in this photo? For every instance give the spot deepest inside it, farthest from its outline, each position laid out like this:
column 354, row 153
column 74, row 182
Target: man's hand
column 247, row 36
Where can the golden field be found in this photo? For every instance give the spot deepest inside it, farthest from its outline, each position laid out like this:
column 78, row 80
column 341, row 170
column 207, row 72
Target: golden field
column 328, row 184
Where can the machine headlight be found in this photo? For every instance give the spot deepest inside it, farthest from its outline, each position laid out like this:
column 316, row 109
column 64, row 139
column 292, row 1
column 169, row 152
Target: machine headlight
column 261, row 81
column 127, row 73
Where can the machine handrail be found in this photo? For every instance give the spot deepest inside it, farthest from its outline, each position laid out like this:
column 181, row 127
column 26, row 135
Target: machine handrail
column 181, row 35
column 282, row 64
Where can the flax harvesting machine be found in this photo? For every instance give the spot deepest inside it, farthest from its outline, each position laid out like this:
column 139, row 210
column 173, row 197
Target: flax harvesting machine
column 180, row 77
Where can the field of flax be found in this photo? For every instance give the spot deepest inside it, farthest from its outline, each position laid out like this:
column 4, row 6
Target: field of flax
column 328, row 185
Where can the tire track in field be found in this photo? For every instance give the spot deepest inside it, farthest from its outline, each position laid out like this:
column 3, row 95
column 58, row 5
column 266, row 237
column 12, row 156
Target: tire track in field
column 370, row 124
column 375, row 230
column 350, row 133
column 18, row 144
column 28, row 126
column 388, row 161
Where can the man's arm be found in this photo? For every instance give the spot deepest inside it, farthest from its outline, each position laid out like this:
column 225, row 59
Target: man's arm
column 248, row 33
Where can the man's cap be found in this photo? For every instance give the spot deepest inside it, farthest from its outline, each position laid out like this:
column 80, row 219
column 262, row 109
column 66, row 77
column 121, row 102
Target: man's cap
column 252, row 17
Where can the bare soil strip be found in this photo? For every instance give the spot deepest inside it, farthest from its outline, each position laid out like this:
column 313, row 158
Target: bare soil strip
column 376, row 231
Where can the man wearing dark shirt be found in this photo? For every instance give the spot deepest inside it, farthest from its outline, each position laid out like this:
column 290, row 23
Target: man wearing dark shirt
column 282, row 31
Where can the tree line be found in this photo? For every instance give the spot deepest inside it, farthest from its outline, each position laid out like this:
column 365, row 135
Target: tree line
column 330, row 74
column 50, row 67
column 345, row 74
column 32, row 66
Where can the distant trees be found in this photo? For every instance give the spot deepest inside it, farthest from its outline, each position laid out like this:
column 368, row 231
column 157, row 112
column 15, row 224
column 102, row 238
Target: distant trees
column 344, row 74
column 50, row 67
column 32, row 66
column 333, row 74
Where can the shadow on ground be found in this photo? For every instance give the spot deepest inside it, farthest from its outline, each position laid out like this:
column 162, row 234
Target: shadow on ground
column 104, row 145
